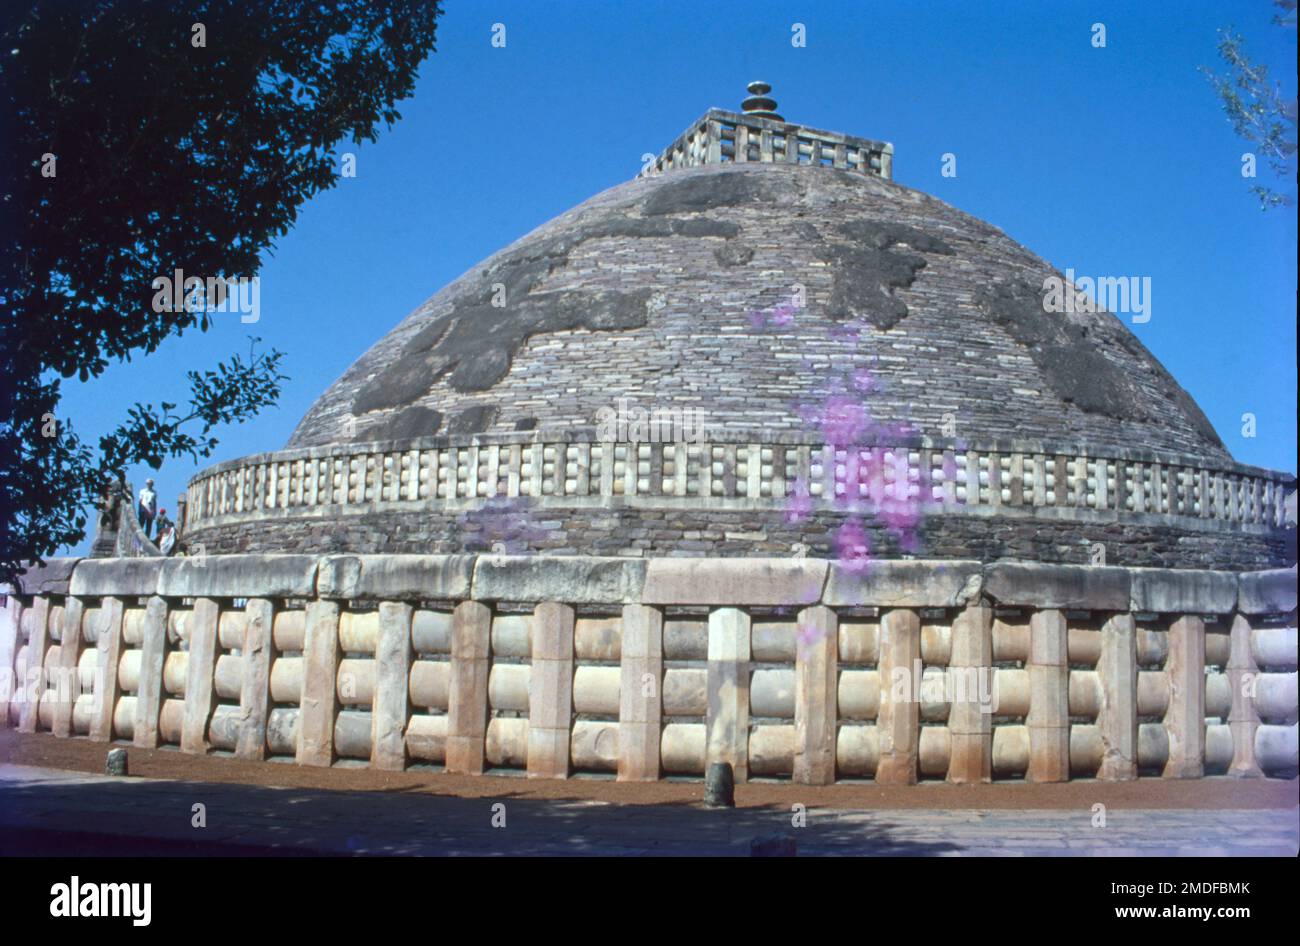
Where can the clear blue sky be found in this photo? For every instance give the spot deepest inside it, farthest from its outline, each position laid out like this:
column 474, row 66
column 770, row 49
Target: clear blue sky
column 1115, row 161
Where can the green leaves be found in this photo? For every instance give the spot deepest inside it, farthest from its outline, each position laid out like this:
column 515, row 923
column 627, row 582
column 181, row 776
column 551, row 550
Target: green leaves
column 168, row 156
column 1258, row 111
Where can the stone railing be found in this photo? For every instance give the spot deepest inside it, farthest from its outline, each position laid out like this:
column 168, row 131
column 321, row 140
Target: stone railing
column 722, row 136
column 734, row 473
column 805, row 669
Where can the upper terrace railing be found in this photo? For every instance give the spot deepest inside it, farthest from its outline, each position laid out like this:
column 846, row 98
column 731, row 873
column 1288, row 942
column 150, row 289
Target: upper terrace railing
column 721, row 136
column 806, row 669
column 733, row 472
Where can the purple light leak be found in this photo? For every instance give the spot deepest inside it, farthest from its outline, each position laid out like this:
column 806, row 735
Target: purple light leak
column 507, row 525
column 873, row 481
column 781, row 314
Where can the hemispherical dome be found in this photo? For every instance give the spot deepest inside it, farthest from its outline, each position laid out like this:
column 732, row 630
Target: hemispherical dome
column 760, row 347
column 749, row 291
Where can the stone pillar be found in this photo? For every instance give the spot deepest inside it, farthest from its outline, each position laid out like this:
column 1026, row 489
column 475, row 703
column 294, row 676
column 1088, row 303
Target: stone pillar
column 1243, row 717
column 392, row 708
column 970, row 718
column 471, row 643
column 1117, row 725
column 255, row 689
column 727, row 722
column 33, row 683
column 640, row 693
column 319, row 707
column 148, row 696
column 1048, row 720
column 10, row 635
column 550, row 691
column 898, row 722
column 67, row 681
column 107, row 688
column 816, row 691
column 1185, row 718
column 200, row 697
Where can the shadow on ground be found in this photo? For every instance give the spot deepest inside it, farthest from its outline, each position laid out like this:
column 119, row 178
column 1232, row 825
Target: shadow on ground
column 78, row 816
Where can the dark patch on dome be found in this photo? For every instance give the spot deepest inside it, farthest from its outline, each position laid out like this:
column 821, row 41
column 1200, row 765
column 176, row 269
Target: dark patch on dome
column 473, row 420
column 407, row 380
column 526, row 423
column 414, row 421
column 867, row 271
column 708, row 192
column 476, row 341
column 884, row 235
column 1065, row 352
column 733, row 254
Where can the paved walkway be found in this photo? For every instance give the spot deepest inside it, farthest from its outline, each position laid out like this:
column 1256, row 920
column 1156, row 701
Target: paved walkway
column 47, row 811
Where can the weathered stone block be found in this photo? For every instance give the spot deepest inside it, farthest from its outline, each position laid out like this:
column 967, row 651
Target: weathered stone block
column 904, row 584
column 52, row 578
column 1058, row 586
column 1169, row 591
column 238, row 576
column 1268, row 592
column 122, row 577
column 395, row 577
column 737, row 581
column 586, row 580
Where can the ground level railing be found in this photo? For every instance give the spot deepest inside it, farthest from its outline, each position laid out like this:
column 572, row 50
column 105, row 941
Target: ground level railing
column 813, row 670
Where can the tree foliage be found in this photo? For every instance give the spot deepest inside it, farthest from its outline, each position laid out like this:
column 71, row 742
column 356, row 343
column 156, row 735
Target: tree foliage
column 1257, row 109
column 181, row 135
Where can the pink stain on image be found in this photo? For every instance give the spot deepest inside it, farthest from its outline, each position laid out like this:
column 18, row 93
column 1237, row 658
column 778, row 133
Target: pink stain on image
column 852, row 547
column 781, row 314
column 799, row 506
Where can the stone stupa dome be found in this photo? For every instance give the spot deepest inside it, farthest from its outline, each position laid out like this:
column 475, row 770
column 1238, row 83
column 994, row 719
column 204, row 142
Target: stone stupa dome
column 772, row 284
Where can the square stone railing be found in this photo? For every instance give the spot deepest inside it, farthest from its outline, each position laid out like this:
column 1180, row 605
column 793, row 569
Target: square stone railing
column 802, row 669
column 720, row 136
column 935, row 478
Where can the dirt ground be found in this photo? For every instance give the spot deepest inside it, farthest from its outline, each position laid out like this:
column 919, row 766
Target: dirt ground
column 82, row 755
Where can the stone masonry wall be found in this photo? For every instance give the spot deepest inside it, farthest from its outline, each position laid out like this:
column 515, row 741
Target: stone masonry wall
column 683, row 533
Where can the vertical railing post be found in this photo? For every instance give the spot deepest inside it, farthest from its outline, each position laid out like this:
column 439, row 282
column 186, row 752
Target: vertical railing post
column 1048, row 719
column 392, row 705
column 640, row 695
column 67, row 683
column 550, row 691
column 727, row 720
column 471, row 643
column 970, row 720
column 1117, row 717
column 1185, row 718
column 255, row 688
column 38, row 642
column 148, row 700
column 107, row 686
column 898, row 720
column 319, row 707
column 200, row 695
column 1243, row 717
column 816, row 679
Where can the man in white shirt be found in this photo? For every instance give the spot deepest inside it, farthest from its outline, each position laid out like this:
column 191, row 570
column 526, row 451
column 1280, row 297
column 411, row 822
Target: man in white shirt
column 147, row 507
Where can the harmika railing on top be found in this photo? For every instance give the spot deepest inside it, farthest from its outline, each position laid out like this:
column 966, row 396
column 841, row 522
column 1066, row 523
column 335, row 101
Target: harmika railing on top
column 721, row 136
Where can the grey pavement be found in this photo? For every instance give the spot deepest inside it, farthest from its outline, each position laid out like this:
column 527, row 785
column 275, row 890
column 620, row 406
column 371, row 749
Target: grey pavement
column 44, row 811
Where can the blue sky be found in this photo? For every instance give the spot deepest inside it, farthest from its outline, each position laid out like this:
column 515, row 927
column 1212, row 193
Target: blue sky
column 1114, row 161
